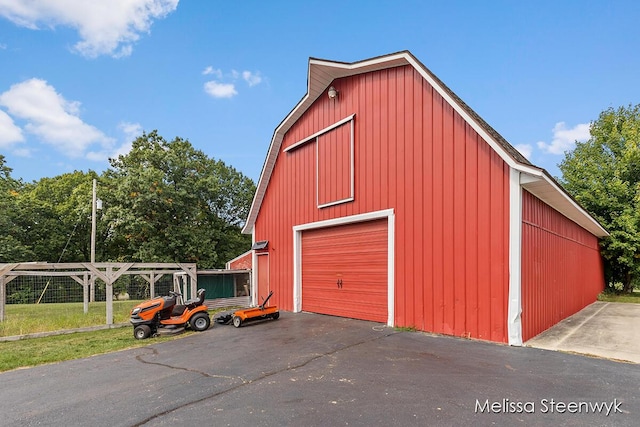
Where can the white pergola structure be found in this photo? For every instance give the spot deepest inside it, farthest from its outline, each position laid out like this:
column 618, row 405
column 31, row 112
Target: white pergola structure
column 108, row 272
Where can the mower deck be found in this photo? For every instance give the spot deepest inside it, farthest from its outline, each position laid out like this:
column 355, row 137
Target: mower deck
column 165, row 332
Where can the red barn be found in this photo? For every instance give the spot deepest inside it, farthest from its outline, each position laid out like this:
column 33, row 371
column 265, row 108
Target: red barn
column 384, row 197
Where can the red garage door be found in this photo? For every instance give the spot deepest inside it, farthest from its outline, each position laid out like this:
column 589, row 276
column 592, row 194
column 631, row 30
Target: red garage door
column 344, row 270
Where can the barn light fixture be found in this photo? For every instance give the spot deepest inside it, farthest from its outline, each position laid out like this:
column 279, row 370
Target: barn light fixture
column 333, row 93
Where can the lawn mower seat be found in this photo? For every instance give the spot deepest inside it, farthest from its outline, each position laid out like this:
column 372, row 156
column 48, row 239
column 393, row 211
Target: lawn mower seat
column 198, row 300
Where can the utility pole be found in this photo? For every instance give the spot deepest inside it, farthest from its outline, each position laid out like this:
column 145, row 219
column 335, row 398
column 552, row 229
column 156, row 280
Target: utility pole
column 95, row 204
column 93, row 224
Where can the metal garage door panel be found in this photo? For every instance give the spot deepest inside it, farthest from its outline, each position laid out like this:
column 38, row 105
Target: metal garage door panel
column 344, row 270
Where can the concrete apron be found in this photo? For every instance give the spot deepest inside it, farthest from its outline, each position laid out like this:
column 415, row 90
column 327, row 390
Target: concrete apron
column 603, row 329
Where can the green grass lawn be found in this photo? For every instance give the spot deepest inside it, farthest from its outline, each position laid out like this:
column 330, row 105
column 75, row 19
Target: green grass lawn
column 39, row 351
column 633, row 297
column 21, row 319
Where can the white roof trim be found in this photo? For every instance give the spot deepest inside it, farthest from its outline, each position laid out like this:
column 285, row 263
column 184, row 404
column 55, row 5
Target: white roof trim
column 547, row 190
column 320, row 75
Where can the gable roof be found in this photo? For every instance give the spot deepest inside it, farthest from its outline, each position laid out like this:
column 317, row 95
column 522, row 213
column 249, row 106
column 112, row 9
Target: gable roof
column 322, row 72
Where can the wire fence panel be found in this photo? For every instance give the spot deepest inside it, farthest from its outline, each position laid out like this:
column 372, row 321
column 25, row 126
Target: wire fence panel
column 63, row 289
column 42, row 297
column 43, row 289
column 45, row 303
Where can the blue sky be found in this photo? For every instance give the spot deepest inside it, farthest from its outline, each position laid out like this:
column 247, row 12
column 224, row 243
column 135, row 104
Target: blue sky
column 81, row 79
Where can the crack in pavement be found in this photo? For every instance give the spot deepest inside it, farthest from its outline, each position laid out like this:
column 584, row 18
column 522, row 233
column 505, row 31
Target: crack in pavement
column 245, row 382
column 154, row 352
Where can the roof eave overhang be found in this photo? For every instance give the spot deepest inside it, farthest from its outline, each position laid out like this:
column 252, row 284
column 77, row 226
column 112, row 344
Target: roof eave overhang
column 539, row 183
column 322, row 72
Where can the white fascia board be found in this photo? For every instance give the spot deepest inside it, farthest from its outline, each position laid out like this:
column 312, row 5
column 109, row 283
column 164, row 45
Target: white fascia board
column 537, row 178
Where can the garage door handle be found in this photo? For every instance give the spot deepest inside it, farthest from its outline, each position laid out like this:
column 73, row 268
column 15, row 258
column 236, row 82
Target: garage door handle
column 339, row 282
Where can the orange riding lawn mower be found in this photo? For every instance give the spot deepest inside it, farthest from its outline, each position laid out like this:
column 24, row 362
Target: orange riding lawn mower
column 161, row 315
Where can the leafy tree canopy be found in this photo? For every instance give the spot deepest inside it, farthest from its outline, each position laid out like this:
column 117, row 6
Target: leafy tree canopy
column 169, row 202
column 12, row 233
column 164, row 201
column 603, row 174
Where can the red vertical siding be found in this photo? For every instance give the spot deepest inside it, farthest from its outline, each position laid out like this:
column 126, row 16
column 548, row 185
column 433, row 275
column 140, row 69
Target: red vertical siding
column 448, row 189
column 334, row 165
column 562, row 271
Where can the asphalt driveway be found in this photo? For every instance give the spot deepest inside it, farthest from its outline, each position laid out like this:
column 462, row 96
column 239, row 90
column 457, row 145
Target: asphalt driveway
column 603, row 329
column 314, row 370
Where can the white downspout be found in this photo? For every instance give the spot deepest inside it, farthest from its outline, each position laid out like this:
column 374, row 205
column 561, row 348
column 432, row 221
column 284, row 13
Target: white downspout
column 514, row 310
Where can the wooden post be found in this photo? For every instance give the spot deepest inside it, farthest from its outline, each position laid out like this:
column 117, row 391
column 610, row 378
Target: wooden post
column 194, row 285
column 85, row 293
column 4, row 269
column 109, row 283
column 152, row 285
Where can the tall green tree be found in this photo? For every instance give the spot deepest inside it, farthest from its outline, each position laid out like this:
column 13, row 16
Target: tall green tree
column 12, row 218
column 168, row 202
column 603, row 174
column 59, row 223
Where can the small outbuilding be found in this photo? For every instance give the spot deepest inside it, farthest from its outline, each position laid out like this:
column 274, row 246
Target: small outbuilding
column 384, row 197
column 241, row 262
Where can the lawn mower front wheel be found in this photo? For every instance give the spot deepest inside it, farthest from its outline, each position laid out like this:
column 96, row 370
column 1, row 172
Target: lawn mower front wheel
column 200, row 322
column 141, row 332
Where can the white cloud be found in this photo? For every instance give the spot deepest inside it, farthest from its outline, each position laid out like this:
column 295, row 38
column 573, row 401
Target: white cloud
column 107, row 27
column 52, row 118
column 525, row 150
column 131, row 130
column 9, row 132
column 564, row 139
column 111, row 150
column 210, row 71
column 251, row 78
column 220, row 90
column 22, row 152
